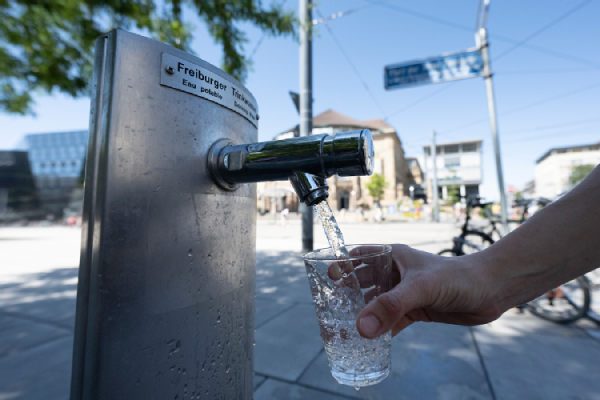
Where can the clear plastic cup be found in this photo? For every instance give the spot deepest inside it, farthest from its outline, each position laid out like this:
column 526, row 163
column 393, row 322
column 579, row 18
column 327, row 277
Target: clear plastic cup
column 340, row 290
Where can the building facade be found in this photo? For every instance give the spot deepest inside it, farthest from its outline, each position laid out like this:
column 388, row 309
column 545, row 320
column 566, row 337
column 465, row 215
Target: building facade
column 458, row 164
column 553, row 169
column 349, row 192
column 415, row 169
column 18, row 194
column 57, row 163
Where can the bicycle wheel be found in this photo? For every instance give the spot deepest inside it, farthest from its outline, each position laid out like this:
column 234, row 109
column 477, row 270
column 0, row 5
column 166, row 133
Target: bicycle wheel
column 565, row 304
column 594, row 284
column 447, row 253
column 476, row 241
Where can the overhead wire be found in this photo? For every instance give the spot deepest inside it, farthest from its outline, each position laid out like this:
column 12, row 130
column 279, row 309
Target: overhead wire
column 539, row 137
column 553, row 126
column 422, row 99
column 257, row 46
column 543, row 29
column 526, row 107
column 324, row 20
column 542, row 71
column 493, row 36
column 356, row 72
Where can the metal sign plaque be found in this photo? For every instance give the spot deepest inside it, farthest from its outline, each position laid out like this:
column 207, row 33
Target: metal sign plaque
column 191, row 78
column 447, row 67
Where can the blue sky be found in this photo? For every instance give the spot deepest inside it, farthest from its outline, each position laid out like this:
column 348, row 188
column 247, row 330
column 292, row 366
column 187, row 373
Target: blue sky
column 545, row 99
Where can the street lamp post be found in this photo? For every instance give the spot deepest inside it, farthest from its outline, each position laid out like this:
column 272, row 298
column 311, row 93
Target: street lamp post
column 305, row 12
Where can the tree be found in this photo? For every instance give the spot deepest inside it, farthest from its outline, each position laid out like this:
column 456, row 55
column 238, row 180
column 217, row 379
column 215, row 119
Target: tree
column 453, row 194
column 376, row 187
column 48, row 45
column 580, row 172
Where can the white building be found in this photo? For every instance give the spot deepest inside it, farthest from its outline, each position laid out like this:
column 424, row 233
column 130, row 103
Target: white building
column 458, row 163
column 552, row 170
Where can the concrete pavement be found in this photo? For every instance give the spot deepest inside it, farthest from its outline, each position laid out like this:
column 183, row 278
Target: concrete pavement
column 518, row 356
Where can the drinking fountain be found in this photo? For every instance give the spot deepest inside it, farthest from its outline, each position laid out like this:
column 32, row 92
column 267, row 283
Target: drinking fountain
column 165, row 296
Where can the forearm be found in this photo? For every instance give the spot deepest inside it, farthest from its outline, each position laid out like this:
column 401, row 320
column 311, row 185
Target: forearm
column 559, row 243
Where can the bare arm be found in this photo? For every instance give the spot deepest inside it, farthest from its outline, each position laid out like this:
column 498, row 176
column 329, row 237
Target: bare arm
column 559, row 243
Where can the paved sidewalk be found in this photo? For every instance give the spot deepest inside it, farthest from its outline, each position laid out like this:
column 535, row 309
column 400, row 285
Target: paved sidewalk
column 516, row 357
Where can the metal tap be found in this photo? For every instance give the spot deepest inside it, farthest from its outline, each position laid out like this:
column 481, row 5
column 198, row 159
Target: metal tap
column 306, row 161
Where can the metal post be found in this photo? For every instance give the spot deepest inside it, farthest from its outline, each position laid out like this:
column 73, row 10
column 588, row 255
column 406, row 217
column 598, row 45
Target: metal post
column 487, row 74
column 305, row 12
column 434, row 184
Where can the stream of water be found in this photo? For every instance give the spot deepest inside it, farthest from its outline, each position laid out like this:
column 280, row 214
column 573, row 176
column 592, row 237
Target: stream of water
column 331, row 228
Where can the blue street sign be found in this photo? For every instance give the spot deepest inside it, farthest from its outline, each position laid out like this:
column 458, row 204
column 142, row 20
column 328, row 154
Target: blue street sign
column 447, row 67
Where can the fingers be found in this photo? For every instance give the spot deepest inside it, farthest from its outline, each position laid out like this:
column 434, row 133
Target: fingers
column 389, row 311
column 337, row 268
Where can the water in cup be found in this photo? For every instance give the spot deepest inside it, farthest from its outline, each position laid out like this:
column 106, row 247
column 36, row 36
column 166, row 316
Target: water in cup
column 353, row 360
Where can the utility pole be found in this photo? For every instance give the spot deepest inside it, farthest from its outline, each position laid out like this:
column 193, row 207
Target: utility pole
column 434, row 184
column 305, row 13
column 481, row 39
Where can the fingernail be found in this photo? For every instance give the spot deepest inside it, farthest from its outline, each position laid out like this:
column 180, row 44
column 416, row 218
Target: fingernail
column 370, row 325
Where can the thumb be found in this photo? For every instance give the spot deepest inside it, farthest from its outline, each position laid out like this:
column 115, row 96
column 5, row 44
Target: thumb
column 389, row 309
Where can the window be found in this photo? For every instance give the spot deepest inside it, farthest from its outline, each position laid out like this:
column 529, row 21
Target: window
column 469, row 147
column 452, row 162
column 426, row 149
column 449, row 149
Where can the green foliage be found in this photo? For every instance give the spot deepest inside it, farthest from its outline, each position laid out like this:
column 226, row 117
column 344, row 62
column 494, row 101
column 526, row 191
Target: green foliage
column 453, row 194
column 376, row 187
column 518, row 195
column 48, row 45
column 483, row 213
column 580, row 172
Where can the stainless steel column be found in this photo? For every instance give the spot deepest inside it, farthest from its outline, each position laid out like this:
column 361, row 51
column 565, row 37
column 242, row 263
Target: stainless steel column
column 165, row 302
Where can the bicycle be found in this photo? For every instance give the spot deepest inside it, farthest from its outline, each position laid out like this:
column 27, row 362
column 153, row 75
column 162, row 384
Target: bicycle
column 470, row 240
column 523, row 204
column 564, row 304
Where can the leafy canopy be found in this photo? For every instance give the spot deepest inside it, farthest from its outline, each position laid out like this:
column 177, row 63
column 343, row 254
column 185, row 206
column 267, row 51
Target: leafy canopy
column 48, row 44
column 580, row 172
column 376, row 186
column 453, row 194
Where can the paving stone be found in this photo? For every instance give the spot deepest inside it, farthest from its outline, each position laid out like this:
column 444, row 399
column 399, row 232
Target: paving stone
column 258, row 379
column 286, row 345
column 43, row 372
column 515, row 323
column 429, row 361
column 281, row 276
column 18, row 335
column 277, row 390
column 48, row 309
column 267, row 309
column 537, row 366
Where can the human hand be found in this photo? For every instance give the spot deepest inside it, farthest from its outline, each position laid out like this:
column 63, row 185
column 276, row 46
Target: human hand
column 431, row 288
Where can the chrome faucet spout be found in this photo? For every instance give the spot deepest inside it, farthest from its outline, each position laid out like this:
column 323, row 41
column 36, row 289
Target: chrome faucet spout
column 311, row 189
column 306, row 161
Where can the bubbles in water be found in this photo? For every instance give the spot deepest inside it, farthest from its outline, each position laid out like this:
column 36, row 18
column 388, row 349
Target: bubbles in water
column 354, row 360
column 190, row 253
